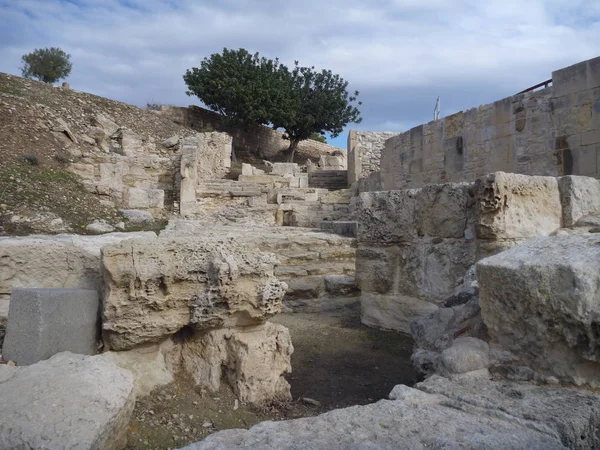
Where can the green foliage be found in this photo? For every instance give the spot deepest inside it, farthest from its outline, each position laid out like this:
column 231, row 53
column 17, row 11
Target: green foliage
column 244, row 88
column 321, row 103
column 46, row 64
column 247, row 88
column 318, row 137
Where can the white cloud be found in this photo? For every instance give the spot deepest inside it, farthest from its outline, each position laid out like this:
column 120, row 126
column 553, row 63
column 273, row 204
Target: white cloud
column 399, row 53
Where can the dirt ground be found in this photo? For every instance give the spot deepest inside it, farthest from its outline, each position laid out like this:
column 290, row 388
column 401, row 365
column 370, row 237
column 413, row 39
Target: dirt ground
column 337, row 362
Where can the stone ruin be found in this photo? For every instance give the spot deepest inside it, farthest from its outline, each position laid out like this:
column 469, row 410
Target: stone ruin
column 496, row 278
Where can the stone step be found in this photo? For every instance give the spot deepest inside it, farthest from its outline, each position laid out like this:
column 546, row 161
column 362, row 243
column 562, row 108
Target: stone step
column 312, row 287
column 325, row 255
column 303, row 270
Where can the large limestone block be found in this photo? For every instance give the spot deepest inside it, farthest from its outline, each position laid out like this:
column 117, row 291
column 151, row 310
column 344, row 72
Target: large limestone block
column 285, row 169
column 387, row 217
column 155, row 287
column 413, row 420
column 43, row 322
column 538, row 407
column 541, row 301
column 445, row 210
column 253, row 359
column 580, row 197
column 513, row 206
column 67, row 402
column 392, row 311
column 59, row 261
column 428, row 269
column 140, row 198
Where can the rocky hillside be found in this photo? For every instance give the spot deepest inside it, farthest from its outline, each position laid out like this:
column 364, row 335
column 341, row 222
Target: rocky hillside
column 44, row 129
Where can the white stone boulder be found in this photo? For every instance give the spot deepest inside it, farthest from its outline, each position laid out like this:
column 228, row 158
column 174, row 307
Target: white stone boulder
column 541, row 302
column 253, row 360
column 580, row 197
column 66, row 402
column 515, row 206
column 59, row 261
column 155, row 287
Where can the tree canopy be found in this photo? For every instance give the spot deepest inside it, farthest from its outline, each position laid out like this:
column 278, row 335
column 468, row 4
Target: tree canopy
column 46, row 64
column 247, row 88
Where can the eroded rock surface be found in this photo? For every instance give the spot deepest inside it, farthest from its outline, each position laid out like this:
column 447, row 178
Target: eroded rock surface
column 541, row 301
column 66, row 402
column 155, row 287
column 441, row 414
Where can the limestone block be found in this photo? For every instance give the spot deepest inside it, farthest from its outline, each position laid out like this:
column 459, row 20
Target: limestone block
column 85, row 171
column 444, row 210
column 43, row 322
column 580, row 197
column 59, row 261
column 253, row 359
column 539, row 300
column 67, row 402
column 106, row 123
column 512, row 206
column 247, row 169
column 138, row 198
column 99, row 227
column 151, row 365
column 136, row 216
column 155, row 287
column 392, row 311
column 171, row 142
column 285, row 169
column 466, row 355
column 387, row 217
column 341, row 227
column 418, row 420
column 131, row 143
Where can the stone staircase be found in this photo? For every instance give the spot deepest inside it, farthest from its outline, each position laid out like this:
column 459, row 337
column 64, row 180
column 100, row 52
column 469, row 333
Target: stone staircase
column 317, row 266
column 328, row 179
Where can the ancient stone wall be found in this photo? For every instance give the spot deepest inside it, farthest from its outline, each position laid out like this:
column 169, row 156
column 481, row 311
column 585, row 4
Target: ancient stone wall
column 554, row 131
column 415, row 245
column 364, row 152
column 256, row 139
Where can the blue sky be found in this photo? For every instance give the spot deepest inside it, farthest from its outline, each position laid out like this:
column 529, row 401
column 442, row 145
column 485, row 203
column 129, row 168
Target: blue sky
column 400, row 54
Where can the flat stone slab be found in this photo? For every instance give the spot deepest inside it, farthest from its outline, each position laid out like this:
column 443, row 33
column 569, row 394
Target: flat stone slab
column 413, row 420
column 67, row 402
column 43, row 322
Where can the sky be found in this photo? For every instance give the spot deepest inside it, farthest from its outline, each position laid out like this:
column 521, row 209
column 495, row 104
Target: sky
column 399, row 54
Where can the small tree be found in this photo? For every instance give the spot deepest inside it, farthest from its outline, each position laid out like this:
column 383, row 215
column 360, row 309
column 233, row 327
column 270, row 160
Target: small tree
column 320, row 103
column 242, row 87
column 46, row 64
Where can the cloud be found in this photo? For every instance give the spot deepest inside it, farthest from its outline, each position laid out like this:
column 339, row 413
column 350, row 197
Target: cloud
column 401, row 54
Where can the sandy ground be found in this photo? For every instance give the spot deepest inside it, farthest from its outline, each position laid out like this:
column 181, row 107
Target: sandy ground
column 337, row 362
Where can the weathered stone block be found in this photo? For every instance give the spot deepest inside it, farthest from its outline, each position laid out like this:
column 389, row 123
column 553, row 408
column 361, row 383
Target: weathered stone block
column 387, row 217
column 444, row 210
column 43, row 322
column 580, row 197
column 155, row 287
column 285, row 169
column 67, row 402
column 139, row 198
column 392, row 311
column 541, row 301
column 512, row 206
column 254, row 360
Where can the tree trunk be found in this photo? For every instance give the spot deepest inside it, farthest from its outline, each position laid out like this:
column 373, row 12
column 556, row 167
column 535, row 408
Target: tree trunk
column 292, row 150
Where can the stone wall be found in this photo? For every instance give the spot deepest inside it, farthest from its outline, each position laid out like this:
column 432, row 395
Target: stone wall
column 416, row 245
column 364, row 152
column 255, row 139
column 554, row 131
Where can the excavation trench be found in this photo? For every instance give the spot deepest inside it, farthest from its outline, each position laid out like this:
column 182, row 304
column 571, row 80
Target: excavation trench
column 337, row 362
